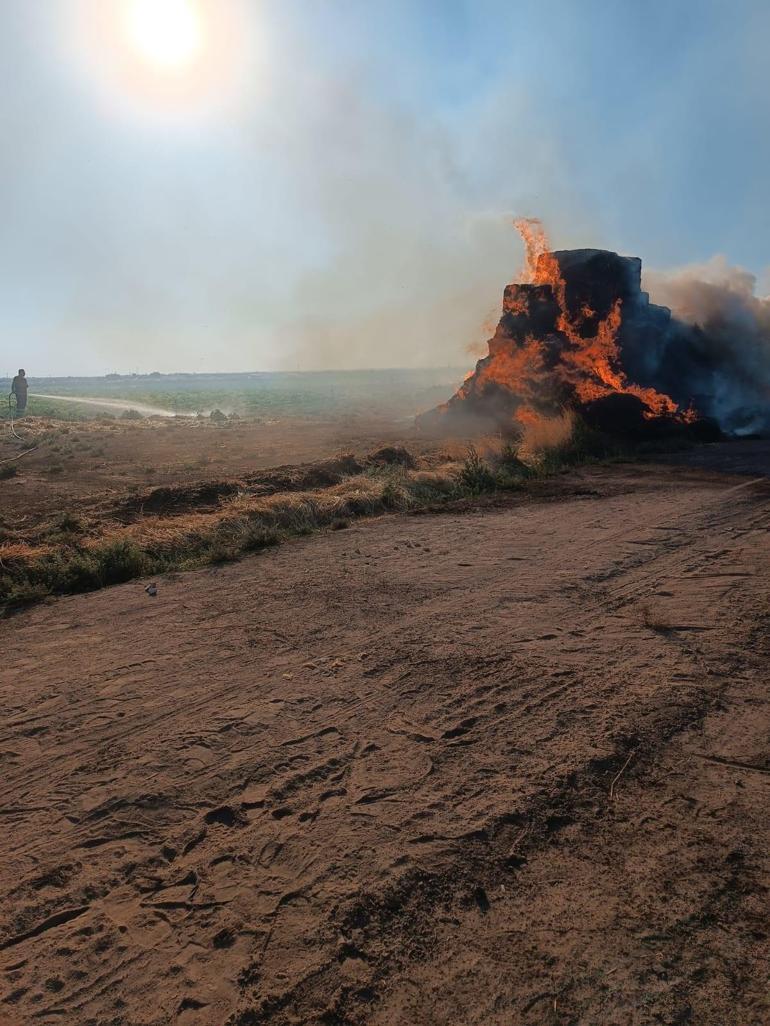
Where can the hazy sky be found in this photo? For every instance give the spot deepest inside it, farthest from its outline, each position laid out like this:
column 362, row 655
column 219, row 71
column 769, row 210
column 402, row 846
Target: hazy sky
column 329, row 183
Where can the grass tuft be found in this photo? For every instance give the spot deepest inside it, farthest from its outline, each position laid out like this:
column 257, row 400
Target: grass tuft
column 475, row 475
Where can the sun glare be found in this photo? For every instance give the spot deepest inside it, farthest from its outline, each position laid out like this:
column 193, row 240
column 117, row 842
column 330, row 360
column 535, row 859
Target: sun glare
column 167, row 33
column 168, row 58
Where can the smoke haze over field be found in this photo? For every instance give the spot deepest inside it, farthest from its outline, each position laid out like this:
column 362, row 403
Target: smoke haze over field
column 337, row 190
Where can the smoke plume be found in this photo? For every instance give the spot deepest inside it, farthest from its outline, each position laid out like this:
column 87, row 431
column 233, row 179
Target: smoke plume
column 719, row 343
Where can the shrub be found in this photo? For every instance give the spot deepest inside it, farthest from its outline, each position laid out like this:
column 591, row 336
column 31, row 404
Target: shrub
column 475, row 475
column 257, row 537
column 120, row 561
column 68, row 523
column 8, row 470
column 510, row 461
column 79, row 572
column 221, row 551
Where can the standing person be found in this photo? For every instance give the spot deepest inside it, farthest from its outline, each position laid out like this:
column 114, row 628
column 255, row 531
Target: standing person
column 19, row 389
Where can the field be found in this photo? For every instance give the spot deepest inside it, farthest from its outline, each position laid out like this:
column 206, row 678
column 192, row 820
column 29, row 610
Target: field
column 384, row 393
column 410, row 737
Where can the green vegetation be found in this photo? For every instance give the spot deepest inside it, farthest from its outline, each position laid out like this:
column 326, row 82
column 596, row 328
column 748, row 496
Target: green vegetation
column 65, row 411
column 262, row 395
column 507, row 470
column 475, row 475
column 73, row 569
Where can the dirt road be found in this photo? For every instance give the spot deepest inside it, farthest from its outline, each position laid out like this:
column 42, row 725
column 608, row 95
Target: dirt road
column 498, row 766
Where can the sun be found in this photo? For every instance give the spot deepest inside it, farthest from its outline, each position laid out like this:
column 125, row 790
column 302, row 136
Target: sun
column 167, row 34
column 162, row 60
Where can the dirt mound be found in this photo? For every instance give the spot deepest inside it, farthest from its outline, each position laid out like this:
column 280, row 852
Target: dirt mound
column 171, row 500
column 303, row 476
column 392, row 455
column 175, row 500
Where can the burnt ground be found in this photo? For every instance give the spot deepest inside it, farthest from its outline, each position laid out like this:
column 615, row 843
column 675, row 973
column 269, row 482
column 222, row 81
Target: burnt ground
column 497, row 765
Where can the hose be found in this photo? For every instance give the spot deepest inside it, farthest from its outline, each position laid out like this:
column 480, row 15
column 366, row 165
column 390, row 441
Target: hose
column 12, row 407
column 12, row 404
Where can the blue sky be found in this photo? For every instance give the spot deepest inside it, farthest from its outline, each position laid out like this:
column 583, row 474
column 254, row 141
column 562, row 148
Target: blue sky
column 341, row 194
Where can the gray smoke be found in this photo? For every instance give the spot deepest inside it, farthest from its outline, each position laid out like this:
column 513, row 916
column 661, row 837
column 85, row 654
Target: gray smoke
column 718, row 350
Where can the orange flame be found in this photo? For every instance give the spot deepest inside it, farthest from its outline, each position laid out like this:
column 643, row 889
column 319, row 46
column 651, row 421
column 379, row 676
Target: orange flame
column 521, row 371
column 535, row 244
column 590, row 365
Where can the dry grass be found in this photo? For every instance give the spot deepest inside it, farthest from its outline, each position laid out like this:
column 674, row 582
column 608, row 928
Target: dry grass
column 75, row 553
column 16, row 552
column 80, row 557
column 546, row 433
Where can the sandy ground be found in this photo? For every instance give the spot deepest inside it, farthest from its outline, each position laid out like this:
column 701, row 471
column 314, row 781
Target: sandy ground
column 508, row 765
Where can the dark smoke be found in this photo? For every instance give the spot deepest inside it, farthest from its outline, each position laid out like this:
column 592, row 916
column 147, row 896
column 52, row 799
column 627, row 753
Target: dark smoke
column 718, row 348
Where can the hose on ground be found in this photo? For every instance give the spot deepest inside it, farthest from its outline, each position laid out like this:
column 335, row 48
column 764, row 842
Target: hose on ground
column 13, row 402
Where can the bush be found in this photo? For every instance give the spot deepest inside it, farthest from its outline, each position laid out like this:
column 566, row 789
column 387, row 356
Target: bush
column 221, row 551
column 131, row 415
column 257, row 537
column 511, row 469
column 120, row 561
column 231, row 540
column 80, row 572
column 70, row 523
column 64, row 573
column 74, row 570
column 8, row 470
column 475, row 475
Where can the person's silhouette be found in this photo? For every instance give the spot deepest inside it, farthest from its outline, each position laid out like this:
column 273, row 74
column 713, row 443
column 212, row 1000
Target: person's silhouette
column 19, row 389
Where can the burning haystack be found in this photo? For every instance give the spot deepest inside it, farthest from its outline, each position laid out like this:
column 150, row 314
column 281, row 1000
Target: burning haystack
column 579, row 333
